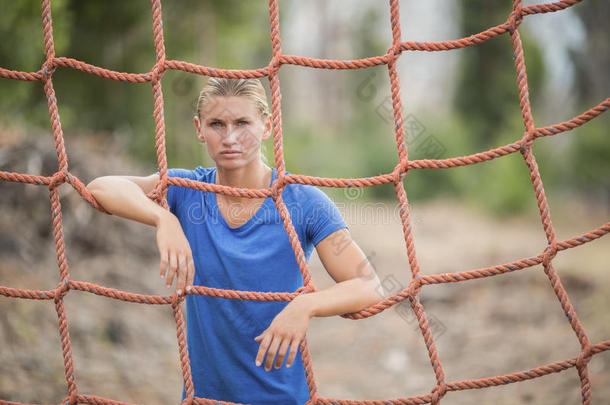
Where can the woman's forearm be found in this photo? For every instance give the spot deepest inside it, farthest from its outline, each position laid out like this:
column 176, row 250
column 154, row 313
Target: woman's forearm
column 124, row 198
column 345, row 297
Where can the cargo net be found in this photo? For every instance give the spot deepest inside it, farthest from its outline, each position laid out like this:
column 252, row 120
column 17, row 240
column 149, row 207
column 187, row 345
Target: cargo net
column 418, row 280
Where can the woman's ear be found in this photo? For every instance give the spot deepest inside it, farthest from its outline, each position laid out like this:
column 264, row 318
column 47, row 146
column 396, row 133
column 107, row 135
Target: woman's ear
column 199, row 130
column 268, row 127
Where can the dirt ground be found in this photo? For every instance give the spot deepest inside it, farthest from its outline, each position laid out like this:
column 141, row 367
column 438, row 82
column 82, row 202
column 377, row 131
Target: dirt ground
column 485, row 327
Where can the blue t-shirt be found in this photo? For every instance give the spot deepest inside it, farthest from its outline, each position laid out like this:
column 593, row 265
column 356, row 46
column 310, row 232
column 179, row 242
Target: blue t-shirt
column 255, row 256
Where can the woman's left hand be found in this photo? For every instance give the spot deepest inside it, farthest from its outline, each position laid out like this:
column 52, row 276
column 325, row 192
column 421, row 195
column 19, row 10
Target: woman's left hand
column 288, row 329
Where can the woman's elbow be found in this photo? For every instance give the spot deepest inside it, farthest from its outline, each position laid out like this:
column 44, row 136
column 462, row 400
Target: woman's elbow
column 94, row 185
column 99, row 186
column 374, row 291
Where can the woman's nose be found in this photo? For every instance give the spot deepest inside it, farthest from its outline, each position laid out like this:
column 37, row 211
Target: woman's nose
column 232, row 135
column 231, row 132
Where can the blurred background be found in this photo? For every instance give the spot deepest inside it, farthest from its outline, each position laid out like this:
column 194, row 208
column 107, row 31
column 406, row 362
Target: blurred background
column 336, row 123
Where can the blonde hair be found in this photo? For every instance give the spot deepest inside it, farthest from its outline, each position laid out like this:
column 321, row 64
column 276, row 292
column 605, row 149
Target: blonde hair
column 219, row 86
column 249, row 88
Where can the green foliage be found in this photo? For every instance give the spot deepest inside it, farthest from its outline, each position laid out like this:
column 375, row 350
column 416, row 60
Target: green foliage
column 489, row 114
column 589, row 154
column 22, row 48
column 500, row 186
column 225, row 34
column 234, row 34
column 487, row 91
column 21, row 23
column 118, row 35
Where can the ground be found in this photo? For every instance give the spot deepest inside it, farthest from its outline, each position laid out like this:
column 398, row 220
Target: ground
column 485, row 327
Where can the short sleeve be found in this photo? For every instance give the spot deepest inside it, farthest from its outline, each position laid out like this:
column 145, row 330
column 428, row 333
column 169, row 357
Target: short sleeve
column 323, row 216
column 175, row 193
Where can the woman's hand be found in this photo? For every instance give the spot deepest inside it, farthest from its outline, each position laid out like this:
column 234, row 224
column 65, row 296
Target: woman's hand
column 175, row 251
column 288, row 328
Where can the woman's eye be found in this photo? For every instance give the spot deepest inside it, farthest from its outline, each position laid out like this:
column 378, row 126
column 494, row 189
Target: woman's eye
column 243, row 122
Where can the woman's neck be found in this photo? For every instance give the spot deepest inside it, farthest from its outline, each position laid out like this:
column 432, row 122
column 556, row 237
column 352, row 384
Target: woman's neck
column 245, row 177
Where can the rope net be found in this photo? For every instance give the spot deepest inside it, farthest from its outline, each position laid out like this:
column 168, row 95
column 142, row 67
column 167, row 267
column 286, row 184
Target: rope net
column 523, row 145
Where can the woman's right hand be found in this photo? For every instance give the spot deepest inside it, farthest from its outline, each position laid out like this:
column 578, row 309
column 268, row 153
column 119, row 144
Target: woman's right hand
column 175, row 251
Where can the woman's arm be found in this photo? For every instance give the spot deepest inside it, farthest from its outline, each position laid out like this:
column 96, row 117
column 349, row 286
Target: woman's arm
column 125, row 196
column 357, row 287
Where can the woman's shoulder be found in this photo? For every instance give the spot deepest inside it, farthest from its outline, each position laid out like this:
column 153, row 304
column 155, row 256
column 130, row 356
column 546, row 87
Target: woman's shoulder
column 199, row 173
column 307, row 194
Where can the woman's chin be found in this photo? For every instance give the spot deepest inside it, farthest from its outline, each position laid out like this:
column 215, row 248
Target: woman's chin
column 231, row 163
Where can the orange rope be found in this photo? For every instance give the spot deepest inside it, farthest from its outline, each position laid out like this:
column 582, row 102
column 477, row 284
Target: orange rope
column 523, row 145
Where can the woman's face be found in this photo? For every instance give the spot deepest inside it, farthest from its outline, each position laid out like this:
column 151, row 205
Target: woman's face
column 233, row 131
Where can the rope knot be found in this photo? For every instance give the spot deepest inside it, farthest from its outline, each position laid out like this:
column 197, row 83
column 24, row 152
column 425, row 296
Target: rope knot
column 62, row 289
column 584, row 356
column 515, row 18
column 189, row 401
column 275, row 63
column 393, row 52
column 438, row 392
column 528, row 138
column 276, row 189
column 396, row 49
column 161, row 188
column 72, row 399
column 158, row 70
column 414, row 286
column 398, row 173
column 549, row 253
column 57, row 179
column 47, row 69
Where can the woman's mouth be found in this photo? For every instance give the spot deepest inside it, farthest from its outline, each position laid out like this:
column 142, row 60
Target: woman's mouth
column 231, row 153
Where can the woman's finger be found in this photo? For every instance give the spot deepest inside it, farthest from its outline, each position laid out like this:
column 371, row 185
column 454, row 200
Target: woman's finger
column 173, row 264
column 182, row 273
column 272, row 350
column 262, row 349
column 282, row 353
column 164, row 261
column 294, row 347
column 191, row 276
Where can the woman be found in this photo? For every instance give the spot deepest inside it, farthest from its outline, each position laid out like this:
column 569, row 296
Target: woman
column 240, row 243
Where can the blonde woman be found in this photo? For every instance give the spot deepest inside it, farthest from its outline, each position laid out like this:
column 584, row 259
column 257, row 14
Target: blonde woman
column 238, row 243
